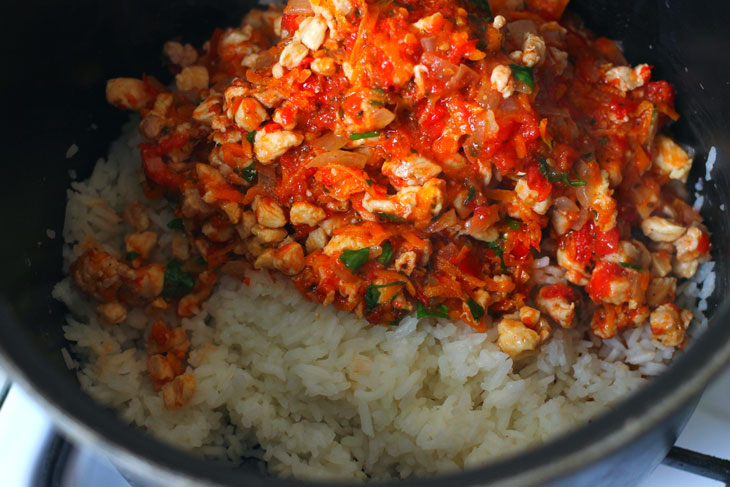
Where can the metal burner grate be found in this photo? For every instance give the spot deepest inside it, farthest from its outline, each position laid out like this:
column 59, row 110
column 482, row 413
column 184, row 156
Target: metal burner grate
column 699, row 464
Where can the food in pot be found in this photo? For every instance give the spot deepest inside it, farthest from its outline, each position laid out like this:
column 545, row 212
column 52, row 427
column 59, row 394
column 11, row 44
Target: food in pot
column 384, row 239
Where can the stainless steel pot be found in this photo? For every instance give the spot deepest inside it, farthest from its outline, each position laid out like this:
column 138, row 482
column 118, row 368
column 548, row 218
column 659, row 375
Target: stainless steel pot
column 57, row 57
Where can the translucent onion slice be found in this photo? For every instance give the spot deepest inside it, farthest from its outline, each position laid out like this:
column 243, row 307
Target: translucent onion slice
column 330, row 141
column 565, row 204
column 382, row 118
column 298, row 7
column 463, row 77
column 340, row 157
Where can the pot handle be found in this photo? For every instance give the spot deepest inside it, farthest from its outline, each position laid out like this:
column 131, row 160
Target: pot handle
column 698, row 464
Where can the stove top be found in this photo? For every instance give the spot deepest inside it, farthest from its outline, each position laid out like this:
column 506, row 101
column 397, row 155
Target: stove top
column 33, row 454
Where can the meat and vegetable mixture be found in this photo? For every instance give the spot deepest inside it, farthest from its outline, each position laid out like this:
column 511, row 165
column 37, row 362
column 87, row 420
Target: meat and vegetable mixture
column 449, row 159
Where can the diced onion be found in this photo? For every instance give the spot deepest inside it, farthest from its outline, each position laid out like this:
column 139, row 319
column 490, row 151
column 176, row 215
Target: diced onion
column 339, row 157
column 447, row 221
column 298, row 7
column 519, row 28
column 582, row 170
column 439, row 67
column 488, row 98
column 582, row 219
column 429, row 44
column 264, row 61
column 491, row 127
column 330, row 141
column 463, row 77
column 483, row 126
column 382, row 118
column 565, row 204
column 583, row 199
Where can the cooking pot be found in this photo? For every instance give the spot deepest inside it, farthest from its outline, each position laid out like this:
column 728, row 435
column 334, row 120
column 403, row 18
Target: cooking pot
column 57, row 57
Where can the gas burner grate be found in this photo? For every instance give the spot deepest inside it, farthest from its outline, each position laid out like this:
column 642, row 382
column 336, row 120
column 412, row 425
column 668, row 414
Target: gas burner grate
column 699, row 464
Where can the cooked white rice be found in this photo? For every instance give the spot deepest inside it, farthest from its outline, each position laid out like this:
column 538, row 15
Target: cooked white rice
column 317, row 393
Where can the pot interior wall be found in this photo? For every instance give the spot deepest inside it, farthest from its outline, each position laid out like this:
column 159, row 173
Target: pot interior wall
column 58, row 56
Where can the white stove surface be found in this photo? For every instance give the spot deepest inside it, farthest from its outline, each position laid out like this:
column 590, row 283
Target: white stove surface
column 25, row 429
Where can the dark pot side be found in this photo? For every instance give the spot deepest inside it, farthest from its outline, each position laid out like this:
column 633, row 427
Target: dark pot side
column 57, row 57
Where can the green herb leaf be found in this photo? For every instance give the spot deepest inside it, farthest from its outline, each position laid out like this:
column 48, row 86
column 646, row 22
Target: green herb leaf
column 377, row 103
column 391, row 217
column 497, row 249
column 379, row 90
column 440, row 311
column 524, row 74
column 372, row 295
column 545, row 168
column 176, row 224
column 476, row 310
column 470, row 195
column 131, row 255
column 354, row 259
column 631, row 266
column 251, row 136
column 513, row 224
column 555, row 176
column 177, row 281
column 364, row 135
column 484, row 5
column 249, row 172
column 384, row 258
column 578, row 182
column 369, row 182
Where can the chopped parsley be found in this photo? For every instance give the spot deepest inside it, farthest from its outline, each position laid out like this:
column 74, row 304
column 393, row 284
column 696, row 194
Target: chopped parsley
column 631, row 266
column 495, row 247
column 391, row 217
column 476, row 310
column 364, row 135
column 354, row 259
column 132, row 255
column 372, row 295
column 249, row 172
column 369, row 182
column 524, row 74
column 384, row 258
column 377, row 103
column 513, row 224
column 484, row 5
column 379, row 90
column 470, row 195
column 177, row 281
column 176, row 224
column 556, row 176
column 440, row 311
column 251, row 135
